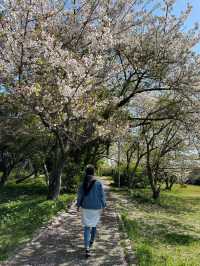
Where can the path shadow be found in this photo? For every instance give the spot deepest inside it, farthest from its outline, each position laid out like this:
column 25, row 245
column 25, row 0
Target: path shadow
column 61, row 243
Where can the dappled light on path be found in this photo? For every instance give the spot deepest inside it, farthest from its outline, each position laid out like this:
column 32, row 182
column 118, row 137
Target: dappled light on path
column 61, row 242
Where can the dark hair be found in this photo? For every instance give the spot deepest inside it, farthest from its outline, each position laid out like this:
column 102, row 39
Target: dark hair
column 89, row 173
column 89, row 170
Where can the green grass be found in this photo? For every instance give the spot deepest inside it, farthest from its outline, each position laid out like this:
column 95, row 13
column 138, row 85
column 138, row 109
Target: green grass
column 23, row 210
column 165, row 232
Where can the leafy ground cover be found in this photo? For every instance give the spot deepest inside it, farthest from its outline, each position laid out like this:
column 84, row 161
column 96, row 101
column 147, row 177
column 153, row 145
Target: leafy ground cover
column 165, row 232
column 23, row 210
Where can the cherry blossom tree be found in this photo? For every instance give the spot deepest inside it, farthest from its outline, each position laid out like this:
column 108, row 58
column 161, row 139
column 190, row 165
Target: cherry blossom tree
column 59, row 78
column 78, row 68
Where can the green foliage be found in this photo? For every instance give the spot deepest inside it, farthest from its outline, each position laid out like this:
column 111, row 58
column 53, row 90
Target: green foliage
column 103, row 168
column 70, row 183
column 164, row 232
column 105, row 171
column 71, row 177
column 24, row 209
column 136, row 179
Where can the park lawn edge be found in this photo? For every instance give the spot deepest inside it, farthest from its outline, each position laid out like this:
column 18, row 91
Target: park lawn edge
column 60, row 205
column 133, row 238
column 125, row 242
column 38, row 232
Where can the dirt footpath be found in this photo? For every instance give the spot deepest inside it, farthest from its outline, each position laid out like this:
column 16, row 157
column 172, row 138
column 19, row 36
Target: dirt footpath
column 61, row 243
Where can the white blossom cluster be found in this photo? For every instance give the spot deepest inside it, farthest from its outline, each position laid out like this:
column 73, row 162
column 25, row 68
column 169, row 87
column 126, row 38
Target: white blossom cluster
column 76, row 63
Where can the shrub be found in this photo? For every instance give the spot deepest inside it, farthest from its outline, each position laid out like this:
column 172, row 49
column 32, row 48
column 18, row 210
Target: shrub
column 136, row 179
column 194, row 177
column 105, row 171
column 71, row 178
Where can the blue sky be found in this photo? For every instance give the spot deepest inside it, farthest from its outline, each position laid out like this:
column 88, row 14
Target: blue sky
column 179, row 6
column 194, row 16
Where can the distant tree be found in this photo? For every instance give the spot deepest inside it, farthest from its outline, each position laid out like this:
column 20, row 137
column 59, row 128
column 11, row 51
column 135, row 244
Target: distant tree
column 161, row 139
column 170, row 179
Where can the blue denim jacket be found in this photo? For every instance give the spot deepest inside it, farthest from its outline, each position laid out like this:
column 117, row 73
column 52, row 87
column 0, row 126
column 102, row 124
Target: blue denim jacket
column 95, row 198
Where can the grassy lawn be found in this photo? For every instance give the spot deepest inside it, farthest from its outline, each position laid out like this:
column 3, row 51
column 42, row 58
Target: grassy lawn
column 24, row 209
column 166, row 232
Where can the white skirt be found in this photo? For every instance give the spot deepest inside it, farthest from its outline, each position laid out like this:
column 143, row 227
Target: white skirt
column 90, row 218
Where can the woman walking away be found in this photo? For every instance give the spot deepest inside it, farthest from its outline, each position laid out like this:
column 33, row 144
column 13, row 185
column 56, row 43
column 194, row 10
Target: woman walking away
column 91, row 199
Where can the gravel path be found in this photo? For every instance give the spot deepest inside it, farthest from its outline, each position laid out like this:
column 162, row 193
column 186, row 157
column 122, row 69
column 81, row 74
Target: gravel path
column 61, row 243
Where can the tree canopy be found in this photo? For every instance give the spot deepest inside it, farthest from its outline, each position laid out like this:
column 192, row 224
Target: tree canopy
column 91, row 72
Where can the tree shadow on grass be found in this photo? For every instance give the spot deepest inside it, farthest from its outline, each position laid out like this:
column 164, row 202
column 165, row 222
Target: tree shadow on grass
column 14, row 191
column 18, row 224
column 167, row 203
column 180, row 239
column 166, row 231
column 23, row 209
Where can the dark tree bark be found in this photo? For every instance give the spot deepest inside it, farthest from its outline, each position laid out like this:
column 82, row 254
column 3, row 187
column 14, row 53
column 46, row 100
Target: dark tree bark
column 54, row 184
column 131, row 178
column 170, row 181
column 155, row 189
column 56, row 173
column 55, row 181
column 156, row 193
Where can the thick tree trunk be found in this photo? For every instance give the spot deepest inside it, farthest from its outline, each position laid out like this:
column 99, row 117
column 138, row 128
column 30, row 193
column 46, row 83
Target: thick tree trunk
column 156, row 193
column 154, row 187
column 152, row 181
column 55, row 180
column 134, row 173
column 155, row 190
column 170, row 181
column 170, row 186
column 167, row 187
